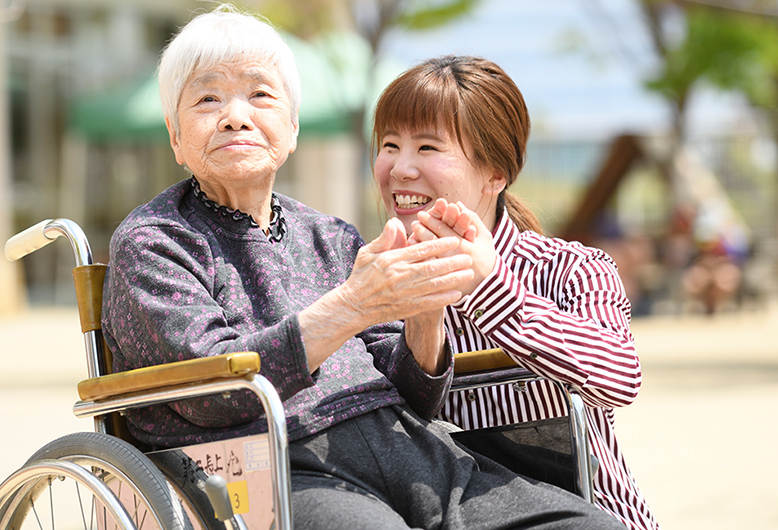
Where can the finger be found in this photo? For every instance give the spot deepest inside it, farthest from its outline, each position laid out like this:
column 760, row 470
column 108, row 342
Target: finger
column 421, row 233
column 436, row 284
column 412, row 240
column 458, row 227
column 470, row 234
column 438, row 209
column 391, row 237
column 463, row 224
column 427, row 278
column 434, row 301
column 474, row 218
column 434, row 225
column 425, row 250
column 396, row 233
column 447, row 265
column 451, row 214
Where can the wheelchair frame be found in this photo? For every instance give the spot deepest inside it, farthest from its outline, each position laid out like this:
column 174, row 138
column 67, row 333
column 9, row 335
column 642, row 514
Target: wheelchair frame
column 486, row 368
column 105, row 394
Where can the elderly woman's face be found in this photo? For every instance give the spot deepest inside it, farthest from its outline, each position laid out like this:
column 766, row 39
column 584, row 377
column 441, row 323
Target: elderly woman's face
column 235, row 123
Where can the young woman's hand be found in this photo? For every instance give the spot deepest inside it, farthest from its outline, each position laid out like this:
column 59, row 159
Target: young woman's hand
column 446, row 219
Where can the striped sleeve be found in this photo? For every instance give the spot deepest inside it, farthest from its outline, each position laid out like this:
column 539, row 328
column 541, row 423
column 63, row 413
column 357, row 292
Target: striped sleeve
column 560, row 310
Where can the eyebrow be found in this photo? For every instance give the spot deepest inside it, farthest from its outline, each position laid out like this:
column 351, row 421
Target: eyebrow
column 256, row 74
column 205, row 78
column 427, row 136
column 417, row 136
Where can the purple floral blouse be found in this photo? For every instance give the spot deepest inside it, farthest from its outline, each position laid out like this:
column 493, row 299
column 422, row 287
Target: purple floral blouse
column 188, row 278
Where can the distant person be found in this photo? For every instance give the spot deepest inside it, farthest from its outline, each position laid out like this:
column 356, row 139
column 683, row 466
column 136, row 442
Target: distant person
column 220, row 262
column 450, row 137
column 713, row 278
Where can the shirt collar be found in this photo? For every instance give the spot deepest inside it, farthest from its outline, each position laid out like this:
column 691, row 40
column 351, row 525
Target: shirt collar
column 275, row 232
column 505, row 234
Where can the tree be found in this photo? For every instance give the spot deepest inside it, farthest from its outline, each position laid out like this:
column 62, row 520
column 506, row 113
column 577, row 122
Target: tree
column 10, row 273
column 373, row 20
column 729, row 45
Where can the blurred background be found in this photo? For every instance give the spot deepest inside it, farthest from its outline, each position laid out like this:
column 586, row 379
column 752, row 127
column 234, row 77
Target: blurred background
column 655, row 137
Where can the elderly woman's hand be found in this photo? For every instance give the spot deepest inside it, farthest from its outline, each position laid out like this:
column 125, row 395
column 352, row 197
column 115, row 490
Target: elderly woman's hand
column 391, row 280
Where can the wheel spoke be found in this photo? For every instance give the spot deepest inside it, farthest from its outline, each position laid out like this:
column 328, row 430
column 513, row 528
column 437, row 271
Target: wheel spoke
column 143, row 519
column 35, row 511
column 132, row 478
column 81, row 506
column 51, row 502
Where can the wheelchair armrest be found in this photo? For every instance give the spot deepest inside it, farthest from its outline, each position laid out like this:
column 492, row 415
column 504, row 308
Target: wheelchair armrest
column 486, row 368
column 481, row 360
column 228, row 365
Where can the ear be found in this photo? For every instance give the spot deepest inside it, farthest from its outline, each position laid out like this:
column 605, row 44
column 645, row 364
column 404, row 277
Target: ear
column 295, row 133
column 174, row 142
column 495, row 183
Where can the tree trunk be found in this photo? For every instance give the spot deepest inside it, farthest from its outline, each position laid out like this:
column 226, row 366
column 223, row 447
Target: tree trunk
column 11, row 299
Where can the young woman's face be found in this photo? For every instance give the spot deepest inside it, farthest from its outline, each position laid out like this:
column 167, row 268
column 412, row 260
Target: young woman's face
column 413, row 169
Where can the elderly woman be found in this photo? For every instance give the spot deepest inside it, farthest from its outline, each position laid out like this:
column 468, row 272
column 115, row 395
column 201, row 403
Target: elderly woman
column 220, row 263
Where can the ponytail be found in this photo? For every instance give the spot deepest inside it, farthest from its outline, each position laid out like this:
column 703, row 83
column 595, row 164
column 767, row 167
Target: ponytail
column 519, row 213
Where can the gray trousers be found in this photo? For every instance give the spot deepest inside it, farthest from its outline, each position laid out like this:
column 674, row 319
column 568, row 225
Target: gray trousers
column 389, row 469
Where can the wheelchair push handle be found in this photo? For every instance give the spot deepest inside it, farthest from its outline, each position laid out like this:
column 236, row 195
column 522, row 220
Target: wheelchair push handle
column 27, row 241
column 41, row 234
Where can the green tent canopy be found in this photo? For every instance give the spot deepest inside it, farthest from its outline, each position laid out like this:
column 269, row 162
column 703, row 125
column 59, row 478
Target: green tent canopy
column 335, row 85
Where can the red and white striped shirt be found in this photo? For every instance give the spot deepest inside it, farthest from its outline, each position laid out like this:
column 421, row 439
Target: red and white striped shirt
column 558, row 309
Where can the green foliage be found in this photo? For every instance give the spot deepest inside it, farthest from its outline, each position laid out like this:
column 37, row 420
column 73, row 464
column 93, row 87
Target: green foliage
column 307, row 18
column 729, row 51
column 304, row 18
column 432, row 14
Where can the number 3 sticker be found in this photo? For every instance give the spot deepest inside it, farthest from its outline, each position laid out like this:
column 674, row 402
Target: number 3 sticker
column 239, row 495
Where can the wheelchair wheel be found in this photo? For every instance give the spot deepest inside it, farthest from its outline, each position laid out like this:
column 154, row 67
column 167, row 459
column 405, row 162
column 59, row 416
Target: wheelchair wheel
column 54, row 501
column 189, row 485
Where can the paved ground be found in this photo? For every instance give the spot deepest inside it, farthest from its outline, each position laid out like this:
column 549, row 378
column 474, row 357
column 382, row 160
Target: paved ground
column 699, row 439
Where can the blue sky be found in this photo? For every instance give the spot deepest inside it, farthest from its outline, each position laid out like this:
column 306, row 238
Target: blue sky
column 592, row 86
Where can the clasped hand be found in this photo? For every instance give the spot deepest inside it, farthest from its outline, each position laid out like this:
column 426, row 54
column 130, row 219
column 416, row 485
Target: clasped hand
column 445, row 220
column 393, row 279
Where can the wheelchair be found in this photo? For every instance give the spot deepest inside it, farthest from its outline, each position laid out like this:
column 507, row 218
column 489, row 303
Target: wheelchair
column 106, row 479
column 555, row 450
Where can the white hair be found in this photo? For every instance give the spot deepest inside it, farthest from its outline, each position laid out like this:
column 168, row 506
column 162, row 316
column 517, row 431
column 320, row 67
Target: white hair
column 220, row 36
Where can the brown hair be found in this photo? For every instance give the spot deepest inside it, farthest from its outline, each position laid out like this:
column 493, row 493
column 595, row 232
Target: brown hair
column 478, row 103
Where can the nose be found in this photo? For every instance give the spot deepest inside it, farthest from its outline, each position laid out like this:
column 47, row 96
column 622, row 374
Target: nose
column 236, row 115
column 404, row 169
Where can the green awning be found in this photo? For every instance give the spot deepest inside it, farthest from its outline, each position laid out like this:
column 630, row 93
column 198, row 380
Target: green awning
column 132, row 113
column 333, row 74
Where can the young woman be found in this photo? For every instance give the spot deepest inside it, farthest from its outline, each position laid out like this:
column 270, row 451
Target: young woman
column 450, row 136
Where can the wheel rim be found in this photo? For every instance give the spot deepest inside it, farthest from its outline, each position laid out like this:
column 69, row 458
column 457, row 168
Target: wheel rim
column 24, row 504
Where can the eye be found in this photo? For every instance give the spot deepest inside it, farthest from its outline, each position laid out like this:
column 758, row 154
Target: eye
column 427, row 148
column 260, row 94
column 207, row 99
column 389, row 145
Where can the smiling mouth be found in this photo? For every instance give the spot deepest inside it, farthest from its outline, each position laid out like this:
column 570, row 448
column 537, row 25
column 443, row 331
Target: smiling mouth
column 240, row 145
column 239, row 142
column 407, row 202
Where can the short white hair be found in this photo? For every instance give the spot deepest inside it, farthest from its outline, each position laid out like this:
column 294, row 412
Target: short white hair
column 217, row 37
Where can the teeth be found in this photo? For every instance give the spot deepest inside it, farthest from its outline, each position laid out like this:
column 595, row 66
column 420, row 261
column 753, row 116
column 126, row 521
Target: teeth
column 410, row 201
